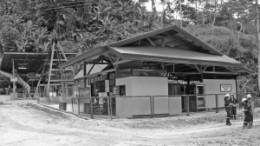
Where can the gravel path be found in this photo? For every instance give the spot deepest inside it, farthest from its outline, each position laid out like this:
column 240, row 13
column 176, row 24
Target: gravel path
column 24, row 125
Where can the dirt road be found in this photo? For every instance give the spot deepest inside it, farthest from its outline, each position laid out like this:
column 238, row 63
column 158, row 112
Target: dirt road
column 24, row 125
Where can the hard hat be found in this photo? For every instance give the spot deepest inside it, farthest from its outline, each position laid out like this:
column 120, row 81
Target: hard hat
column 227, row 95
column 248, row 96
column 244, row 99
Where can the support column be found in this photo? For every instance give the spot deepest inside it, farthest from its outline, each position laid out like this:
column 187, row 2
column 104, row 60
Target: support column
column 85, row 86
column 14, row 82
column 84, row 74
column 50, row 70
column 216, row 99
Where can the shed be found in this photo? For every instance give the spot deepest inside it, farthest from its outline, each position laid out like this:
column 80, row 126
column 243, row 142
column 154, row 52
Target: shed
column 150, row 73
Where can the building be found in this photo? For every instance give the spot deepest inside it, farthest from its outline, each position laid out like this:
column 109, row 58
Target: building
column 153, row 73
column 32, row 73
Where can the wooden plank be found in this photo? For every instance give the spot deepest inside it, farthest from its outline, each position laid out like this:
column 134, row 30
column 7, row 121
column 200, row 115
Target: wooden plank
column 95, row 74
column 50, row 70
column 62, row 80
column 122, row 61
column 87, row 56
column 150, row 41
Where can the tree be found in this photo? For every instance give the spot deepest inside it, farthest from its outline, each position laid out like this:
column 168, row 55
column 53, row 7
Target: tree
column 258, row 40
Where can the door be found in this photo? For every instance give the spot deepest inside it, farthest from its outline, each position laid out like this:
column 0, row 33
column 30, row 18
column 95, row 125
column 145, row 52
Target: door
column 200, row 97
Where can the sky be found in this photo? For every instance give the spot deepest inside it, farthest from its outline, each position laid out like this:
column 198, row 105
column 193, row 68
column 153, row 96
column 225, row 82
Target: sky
column 157, row 4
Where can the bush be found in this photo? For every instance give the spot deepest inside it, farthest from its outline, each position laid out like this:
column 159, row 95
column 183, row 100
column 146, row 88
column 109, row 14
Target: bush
column 257, row 102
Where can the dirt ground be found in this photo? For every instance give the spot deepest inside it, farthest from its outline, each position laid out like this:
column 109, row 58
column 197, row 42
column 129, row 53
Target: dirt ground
column 30, row 124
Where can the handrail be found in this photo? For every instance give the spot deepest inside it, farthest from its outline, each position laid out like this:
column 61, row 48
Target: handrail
column 19, row 81
column 24, row 84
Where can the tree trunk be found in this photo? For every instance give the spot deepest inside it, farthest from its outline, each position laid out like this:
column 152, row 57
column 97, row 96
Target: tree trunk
column 258, row 41
column 153, row 6
column 163, row 12
column 215, row 13
column 197, row 12
column 180, row 14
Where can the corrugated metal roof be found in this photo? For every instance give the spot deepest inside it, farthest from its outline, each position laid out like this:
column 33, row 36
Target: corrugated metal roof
column 172, row 28
column 174, row 55
column 85, row 56
column 33, row 61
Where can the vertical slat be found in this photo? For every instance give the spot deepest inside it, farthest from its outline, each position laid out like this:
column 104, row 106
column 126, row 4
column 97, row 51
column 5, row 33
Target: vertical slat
column 188, row 107
column 216, row 98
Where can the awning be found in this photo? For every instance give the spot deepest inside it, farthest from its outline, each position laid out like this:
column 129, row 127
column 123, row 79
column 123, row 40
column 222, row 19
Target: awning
column 173, row 55
column 24, row 62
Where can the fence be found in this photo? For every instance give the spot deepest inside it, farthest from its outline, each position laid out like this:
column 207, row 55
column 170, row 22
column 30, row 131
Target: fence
column 136, row 106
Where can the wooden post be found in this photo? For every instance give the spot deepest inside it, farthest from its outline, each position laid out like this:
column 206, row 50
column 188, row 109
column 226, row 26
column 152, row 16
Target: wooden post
column 151, row 106
column 14, row 82
column 188, row 107
column 50, row 70
column 84, row 74
column 79, row 106
column 91, row 108
column 110, row 105
column 216, row 98
column 239, row 105
column 72, row 105
column 168, row 104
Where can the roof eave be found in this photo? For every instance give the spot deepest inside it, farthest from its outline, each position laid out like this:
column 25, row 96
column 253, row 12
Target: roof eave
column 85, row 56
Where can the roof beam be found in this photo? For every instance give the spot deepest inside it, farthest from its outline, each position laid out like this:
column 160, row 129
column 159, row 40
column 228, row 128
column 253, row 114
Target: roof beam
column 95, row 74
column 196, row 40
column 91, row 68
column 150, row 41
column 206, row 72
column 87, row 56
column 218, row 72
column 121, row 62
column 198, row 68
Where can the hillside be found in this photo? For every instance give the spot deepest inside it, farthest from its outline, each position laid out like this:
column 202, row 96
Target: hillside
column 221, row 38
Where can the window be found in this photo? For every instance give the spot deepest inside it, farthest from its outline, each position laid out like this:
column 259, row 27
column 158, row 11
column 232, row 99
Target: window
column 122, row 90
column 200, row 89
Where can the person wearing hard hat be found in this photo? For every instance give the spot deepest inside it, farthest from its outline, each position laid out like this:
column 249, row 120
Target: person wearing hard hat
column 228, row 108
column 246, row 107
column 251, row 110
column 233, row 104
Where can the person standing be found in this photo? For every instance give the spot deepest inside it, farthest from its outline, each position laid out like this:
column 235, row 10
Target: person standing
column 233, row 103
column 251, row 109
column 246, row 107
column 228, row 109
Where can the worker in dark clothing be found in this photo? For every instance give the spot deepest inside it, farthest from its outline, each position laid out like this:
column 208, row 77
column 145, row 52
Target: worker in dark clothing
column 233, row 104
column 228, row 108
column 247, row 113
column 251, row 109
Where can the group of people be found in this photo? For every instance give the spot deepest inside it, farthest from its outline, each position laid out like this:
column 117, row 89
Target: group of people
column 247, row 104
column 230, row 105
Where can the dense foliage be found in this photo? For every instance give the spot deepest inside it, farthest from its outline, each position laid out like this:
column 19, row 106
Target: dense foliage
column 227, row 25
